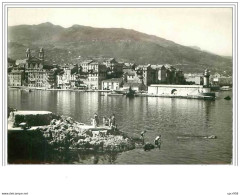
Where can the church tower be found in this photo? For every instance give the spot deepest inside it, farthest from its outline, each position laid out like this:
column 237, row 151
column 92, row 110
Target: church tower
column 41, row 54
column 28, row 53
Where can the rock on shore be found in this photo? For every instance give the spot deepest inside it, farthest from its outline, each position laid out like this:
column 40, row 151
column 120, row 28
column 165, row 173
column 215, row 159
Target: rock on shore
column 67, row 134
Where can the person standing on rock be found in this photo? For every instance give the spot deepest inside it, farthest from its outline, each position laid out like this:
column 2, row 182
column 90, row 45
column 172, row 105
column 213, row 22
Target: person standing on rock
column 109, row 121
column 93, row 122
column 96, row 119
column 157, row 141
column 113, row 120
column 104, row 121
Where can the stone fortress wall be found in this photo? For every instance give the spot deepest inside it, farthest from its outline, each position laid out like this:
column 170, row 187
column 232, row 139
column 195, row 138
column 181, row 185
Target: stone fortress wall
column 179, row 90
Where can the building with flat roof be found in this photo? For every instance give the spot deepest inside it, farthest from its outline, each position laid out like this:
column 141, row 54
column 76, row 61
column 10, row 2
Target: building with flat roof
column 112, row 84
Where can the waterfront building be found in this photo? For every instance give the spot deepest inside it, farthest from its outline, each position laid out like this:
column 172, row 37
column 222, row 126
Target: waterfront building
column 16, row 78
column 35, row 74
column 176, row 90
column 161, row 72
column 183, row 90
column 147, row 73
column 132, row 76
column 112, row 84
column 171, row 74
column 41, row 78
column 95, row 73
column 134, row 79
column 64, row 80
column 179, row 77
column 51, row 78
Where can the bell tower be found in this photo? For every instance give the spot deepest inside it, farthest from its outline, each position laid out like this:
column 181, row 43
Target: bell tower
column 28, row 53
column 41, row 54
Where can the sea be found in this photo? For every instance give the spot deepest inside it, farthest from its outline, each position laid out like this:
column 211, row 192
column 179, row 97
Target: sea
column 184, row 124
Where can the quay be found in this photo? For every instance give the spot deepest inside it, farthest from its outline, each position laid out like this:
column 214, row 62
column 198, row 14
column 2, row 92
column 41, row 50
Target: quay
column 206, row 96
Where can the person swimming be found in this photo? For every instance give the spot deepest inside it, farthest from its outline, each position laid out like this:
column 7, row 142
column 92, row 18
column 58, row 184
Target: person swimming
column 157, row 141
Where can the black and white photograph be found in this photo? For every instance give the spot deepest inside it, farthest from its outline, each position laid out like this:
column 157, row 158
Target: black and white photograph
column 119, row 85
column 119, row 98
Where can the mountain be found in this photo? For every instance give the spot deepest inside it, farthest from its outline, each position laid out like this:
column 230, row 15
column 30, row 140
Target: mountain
column 64, row 45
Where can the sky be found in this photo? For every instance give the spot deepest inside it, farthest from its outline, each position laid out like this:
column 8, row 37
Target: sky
column 207, row 28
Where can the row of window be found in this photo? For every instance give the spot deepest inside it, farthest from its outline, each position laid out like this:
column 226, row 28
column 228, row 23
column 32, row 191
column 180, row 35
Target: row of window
column 42, row 76
column 15, row 84
column 15, row 77
column 15, row 80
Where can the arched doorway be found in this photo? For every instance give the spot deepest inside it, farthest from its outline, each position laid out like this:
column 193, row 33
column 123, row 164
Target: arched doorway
column 174, row 91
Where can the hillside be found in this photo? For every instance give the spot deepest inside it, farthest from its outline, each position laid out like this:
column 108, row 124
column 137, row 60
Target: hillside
column 64, row 45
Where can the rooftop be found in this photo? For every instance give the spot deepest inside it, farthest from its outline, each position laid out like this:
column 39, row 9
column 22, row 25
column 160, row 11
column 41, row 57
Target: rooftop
column 18, row 62
column 87, row 61
column 143, row 66
column 158, row 66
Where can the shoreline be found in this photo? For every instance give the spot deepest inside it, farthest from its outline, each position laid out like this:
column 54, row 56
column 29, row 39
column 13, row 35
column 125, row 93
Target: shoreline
column 44, row 89
column 199, row 97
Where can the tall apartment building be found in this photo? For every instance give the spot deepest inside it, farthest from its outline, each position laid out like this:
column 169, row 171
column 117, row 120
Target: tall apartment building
column 16, row 78
column 95, row 72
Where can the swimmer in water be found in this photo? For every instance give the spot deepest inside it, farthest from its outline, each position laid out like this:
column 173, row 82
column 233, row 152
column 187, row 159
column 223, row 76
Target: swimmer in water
column 157, row 141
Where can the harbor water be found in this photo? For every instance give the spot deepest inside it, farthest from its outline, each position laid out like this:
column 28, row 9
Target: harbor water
column 184, row 124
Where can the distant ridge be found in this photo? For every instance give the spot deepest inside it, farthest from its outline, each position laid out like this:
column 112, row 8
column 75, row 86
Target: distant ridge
column 64, row 45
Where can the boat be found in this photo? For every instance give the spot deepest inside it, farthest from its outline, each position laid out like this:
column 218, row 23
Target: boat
column 130, row 93
column 120, row 92
column 27, row 90
column 225, row 88
column 114, row 94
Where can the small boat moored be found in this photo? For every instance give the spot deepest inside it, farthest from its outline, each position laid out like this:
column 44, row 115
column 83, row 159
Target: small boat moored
column 225, row 88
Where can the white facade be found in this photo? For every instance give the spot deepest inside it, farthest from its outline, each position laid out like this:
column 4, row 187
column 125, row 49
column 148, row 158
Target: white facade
column 66, row 80
column 111, row 84
column 177, row 90
column 93, row 82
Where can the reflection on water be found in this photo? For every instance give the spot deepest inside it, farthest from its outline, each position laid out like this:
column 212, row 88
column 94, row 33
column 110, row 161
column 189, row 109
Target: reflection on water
column 169, row 117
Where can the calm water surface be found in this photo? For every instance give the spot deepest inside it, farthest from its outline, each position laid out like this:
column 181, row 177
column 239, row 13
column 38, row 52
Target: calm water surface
column 181, row 122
